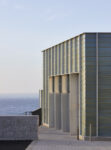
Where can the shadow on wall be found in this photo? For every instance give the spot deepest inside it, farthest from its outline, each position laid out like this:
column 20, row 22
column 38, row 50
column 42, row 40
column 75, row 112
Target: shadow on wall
column 39, row 113
column 14, row 145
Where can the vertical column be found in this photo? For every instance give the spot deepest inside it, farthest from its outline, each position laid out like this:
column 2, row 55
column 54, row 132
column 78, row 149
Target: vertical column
column 73, row 106
column 43, row 100
column 65, row 104
column 40, row 97
column 57, row 102
column 51, row 102
column 96, row 84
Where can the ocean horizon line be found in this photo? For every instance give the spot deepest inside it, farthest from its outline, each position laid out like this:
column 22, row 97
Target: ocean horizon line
column 31, row 95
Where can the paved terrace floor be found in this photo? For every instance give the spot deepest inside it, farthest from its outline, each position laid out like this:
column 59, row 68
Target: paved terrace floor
column 51, row 139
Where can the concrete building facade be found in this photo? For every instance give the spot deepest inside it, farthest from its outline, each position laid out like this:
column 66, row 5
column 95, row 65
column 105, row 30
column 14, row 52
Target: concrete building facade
column 77, row 86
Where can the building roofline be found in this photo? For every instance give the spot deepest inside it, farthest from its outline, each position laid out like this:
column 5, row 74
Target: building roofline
column 74, row 37
column 62, row 42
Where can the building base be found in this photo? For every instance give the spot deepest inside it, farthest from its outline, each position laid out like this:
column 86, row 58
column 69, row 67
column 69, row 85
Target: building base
column 94, row 138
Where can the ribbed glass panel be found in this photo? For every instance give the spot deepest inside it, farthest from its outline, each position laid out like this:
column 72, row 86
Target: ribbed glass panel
column 49, row 62
column 62, row 59
column 104, row 91
column 91, row 83
column 65, row 57
column 75, row 46
column 78, row 48
column 43, row 107
column 47, row 70
column 59, row 55
column 45, row 86
column 55, row 60
column 66, row 63
column 73, row 55
column 62, row 64
column 58, row 59
column 69, row 56
column 82, row 84
column 52, row 60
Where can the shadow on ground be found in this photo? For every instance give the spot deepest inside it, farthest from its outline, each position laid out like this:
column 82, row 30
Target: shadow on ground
column 14, row 145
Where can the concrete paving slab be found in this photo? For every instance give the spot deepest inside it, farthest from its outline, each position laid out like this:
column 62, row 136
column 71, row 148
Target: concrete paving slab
column 51, row 139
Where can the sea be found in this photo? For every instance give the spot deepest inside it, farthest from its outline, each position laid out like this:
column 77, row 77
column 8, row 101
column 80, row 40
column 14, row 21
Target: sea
column 18, row 104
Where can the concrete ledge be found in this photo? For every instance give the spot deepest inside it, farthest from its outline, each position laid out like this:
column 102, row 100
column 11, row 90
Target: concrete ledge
column 19, row 128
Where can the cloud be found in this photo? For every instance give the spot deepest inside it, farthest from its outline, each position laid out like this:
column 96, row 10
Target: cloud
column 11, row 4
column 19, row 7
column 56, row 16
column 52, row 17
column 3, row 2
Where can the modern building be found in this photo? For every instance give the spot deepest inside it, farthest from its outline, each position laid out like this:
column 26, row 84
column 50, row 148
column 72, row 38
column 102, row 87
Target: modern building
column 76, row 94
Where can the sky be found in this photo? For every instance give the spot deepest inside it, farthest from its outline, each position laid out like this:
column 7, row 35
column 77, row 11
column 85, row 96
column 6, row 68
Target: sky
column 29, row 26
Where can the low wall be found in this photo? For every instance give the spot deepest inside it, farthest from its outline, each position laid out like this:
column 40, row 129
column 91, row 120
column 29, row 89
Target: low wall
column 19, row 127
column 39, row 113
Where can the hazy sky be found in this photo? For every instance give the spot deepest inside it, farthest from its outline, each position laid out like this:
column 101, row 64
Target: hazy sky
column 29, row 26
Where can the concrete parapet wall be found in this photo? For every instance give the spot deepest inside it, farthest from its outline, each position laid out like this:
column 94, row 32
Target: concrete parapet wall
column 19, row 127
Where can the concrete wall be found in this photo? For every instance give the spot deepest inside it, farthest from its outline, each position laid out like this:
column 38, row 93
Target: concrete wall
column 19, row 127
